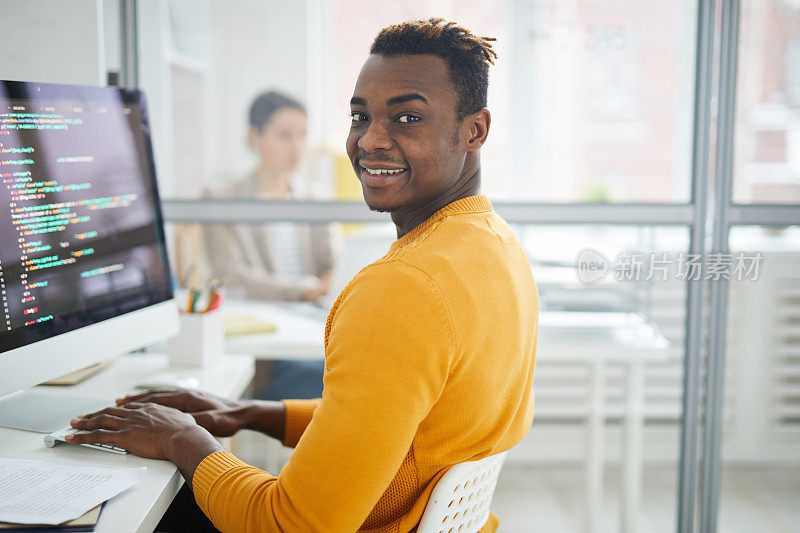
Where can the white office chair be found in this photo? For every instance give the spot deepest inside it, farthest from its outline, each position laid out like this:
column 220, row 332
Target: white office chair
column 460, row 501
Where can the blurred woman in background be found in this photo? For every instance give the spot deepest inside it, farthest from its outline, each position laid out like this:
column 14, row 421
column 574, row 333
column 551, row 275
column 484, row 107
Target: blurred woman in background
column 281, row 261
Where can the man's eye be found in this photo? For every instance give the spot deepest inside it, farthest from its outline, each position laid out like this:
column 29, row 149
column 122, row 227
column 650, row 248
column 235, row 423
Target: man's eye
column 407, row 118
column 358, row 117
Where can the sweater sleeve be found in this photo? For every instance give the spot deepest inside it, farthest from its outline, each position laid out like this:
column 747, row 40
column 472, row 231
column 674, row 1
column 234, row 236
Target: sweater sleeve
column 388, row 355
column 297, row 417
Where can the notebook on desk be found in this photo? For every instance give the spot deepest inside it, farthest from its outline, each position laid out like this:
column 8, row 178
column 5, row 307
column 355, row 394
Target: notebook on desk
column 237, row 323
column 85, row 522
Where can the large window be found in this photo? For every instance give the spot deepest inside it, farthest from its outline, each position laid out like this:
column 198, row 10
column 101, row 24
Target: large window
column 767, row 155
column 761, row 424
column 591, row 102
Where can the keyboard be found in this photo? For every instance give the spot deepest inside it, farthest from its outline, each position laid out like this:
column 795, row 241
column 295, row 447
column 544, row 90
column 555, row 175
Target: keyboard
column 57, row 437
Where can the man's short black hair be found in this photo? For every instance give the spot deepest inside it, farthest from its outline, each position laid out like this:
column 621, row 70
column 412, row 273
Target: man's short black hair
column 467, row 56
column 266, row 104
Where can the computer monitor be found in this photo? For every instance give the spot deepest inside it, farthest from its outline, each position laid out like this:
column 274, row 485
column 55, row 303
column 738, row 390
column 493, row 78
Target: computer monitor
column 83, row 263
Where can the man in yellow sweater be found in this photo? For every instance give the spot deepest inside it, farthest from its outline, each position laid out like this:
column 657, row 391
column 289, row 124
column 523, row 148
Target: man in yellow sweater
column 429, row 351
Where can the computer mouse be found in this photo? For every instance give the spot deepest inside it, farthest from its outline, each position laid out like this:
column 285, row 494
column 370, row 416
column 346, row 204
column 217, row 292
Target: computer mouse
column 168, row 381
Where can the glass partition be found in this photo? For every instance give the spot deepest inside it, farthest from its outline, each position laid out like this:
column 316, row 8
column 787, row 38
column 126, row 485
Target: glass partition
column 767, row 142
column 591, row 101
column 761, row 424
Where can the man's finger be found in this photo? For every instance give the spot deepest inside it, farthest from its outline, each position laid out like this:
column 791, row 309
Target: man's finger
column 101, row 436
column 130, row 398
column 143, row 395
column 104, row 421
column 168, row 399
column 115, row 411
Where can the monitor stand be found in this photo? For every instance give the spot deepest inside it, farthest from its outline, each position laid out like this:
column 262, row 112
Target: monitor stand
column 44, row 411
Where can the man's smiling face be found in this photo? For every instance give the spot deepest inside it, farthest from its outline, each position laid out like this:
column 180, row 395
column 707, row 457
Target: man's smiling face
column 404, row 140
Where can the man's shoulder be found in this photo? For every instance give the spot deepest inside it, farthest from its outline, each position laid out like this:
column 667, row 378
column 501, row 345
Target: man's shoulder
column 451, row 252
column 461, row 234
column 383, row 287
column 464, row 250
column 388, row 272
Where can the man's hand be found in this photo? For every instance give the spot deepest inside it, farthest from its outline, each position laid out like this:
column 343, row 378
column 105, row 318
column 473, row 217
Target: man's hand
column 186, row 401
column 219, row 416
column 148, row 430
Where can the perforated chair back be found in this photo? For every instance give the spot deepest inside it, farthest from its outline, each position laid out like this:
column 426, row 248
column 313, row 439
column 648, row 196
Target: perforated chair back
column 460, row 501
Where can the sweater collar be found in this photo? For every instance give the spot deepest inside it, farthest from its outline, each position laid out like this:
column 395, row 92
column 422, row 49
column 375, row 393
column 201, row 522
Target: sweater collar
column 471, row 204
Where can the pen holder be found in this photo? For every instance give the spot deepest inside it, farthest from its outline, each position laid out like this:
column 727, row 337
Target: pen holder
column 201, row 339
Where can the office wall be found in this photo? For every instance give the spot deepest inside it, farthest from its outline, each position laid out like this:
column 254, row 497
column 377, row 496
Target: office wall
column 266, row 49
column 52, row 41
column 112, row 34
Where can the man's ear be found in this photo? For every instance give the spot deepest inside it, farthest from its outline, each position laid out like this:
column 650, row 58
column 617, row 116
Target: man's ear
column 479, row 123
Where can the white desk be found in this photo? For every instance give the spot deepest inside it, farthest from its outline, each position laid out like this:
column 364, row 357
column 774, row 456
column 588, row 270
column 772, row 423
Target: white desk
column 600, row 339
column 595, row 339
column 140, row 508
column 299, row 332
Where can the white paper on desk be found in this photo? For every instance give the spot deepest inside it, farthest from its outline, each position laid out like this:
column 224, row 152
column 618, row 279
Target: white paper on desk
column 37, row 492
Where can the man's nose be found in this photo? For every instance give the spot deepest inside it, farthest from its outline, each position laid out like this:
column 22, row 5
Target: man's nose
column 375, row 138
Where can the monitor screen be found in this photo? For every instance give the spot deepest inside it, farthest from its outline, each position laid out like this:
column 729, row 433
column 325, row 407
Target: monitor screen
column 81, row 234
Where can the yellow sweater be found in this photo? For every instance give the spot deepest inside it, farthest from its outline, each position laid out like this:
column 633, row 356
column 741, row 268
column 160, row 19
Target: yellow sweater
column 429, row 362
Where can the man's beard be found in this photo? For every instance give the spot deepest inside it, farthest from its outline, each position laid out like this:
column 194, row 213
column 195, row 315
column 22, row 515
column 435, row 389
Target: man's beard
column 391, row 209
column 381, row 209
